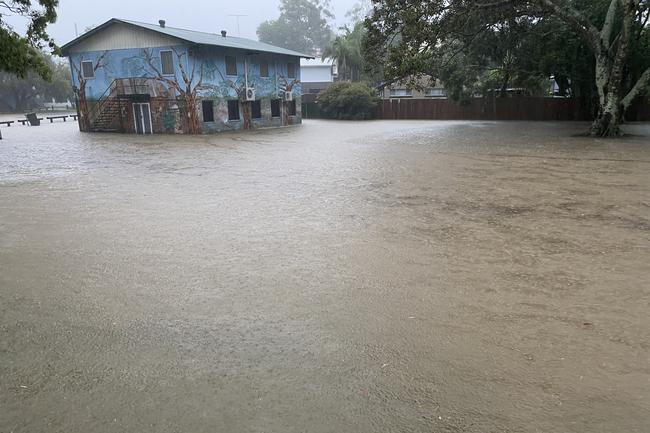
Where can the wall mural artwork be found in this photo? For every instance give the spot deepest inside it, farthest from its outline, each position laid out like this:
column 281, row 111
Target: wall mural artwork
column 176, row 97
column 286, row 86
column 81, row 82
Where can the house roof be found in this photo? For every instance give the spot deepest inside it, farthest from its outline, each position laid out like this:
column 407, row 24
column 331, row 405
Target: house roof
column 191, row 36
column 316, row 62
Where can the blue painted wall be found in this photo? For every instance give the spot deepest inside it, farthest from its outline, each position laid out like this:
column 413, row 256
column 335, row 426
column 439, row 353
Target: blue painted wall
column 132, row 63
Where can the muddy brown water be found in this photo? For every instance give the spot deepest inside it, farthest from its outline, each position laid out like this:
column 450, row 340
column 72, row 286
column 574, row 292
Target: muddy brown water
column 335, row 277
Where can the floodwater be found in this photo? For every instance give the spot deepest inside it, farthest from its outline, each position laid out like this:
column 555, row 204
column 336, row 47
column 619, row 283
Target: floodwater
column 387, row 276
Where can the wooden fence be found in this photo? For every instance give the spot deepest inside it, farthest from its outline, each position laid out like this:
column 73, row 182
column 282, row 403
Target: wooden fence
column 519, row 108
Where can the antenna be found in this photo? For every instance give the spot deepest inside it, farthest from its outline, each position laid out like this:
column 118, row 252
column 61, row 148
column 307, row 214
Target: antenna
column 76, row 32
column 237, row 16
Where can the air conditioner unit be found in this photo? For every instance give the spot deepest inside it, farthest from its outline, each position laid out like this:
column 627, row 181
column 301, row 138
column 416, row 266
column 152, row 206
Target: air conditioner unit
column 250, row 94
column 288, row 96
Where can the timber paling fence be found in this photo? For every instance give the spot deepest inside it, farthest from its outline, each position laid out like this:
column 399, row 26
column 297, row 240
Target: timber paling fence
column 519, row 108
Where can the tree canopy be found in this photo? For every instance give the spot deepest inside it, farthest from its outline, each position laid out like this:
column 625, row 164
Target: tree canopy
column 302, row 26
column 21, row 54
column 598, row 48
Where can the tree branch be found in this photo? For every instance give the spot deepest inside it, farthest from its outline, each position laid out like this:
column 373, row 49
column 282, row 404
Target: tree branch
column 608, row 26
column 578, row 21
column 642, row 84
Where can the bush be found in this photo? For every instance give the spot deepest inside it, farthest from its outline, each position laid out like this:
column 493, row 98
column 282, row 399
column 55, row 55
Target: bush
column 349, row 101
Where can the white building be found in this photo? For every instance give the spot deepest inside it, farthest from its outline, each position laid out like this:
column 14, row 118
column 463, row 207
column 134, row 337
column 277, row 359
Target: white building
column 317, row 75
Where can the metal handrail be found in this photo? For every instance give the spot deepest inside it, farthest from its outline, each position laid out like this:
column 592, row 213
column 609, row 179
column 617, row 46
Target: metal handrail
column 121, row 87
column 102, row 100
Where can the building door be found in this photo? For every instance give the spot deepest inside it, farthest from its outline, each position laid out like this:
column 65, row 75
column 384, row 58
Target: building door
column 142, row 118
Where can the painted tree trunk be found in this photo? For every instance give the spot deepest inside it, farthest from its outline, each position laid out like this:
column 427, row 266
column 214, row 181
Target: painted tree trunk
column 247, row 114
column 84, row 113
column 190, row 114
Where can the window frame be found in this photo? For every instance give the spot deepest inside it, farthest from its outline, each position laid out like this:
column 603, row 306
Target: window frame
column 83, row 71
column 408, row 93
column 266, row 63
column 205, row 103
column 291, row 71
column 232, row 119
column 435, row 92
column 162, row 64
column 235, row 65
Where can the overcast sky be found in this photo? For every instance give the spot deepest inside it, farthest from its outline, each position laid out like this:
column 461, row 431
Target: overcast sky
column 202, row 15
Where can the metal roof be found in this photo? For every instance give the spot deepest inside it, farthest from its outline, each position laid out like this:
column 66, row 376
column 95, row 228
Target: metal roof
column 316, row 62
column 194, row 37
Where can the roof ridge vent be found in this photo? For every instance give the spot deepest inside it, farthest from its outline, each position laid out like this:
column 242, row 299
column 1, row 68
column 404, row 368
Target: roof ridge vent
column 223, row 33
column 162, row 23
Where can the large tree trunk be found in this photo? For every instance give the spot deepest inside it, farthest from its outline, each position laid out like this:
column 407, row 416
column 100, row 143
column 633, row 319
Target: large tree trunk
column 610, row 110
column 608, row 121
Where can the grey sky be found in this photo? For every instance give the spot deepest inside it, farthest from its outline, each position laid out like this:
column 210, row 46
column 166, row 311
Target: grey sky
column 202, row 15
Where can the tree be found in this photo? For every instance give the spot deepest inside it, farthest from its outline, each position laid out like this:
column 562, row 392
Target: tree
column 21, row 54
column 413, row 37
column 359, row 11
column 346, row 49
column 22, row 94
column 302, row 26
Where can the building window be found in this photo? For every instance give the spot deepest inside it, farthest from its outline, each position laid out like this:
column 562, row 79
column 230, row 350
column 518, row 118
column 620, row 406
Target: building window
column 401, row 93
column 256, row 109
column 291, row 70
column 208, row 111
column 275, row 108
column 436, row 92
column 167, row 62
column 292, row 108
column 231, row 65
column 233, row 109
column 264, row 68
column 87, row 69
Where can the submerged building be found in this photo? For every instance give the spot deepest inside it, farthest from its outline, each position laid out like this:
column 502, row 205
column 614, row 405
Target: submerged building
column 144, row 78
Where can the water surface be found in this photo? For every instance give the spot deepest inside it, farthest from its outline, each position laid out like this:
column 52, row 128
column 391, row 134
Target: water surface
column 397, row 276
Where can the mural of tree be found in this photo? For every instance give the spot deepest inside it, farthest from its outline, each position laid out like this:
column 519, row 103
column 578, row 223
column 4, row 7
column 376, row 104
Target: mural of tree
column 239, row 86
column 287, row 87
column 82, row 101
column 187, row 91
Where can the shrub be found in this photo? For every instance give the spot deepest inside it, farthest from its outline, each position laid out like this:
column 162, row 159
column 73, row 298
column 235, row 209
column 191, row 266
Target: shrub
column 349, row 101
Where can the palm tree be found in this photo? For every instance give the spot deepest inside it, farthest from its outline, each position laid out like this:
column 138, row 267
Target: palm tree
column 346, row 50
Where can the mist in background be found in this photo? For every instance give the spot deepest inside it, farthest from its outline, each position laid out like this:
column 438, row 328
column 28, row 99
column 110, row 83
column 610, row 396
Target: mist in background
column 200, row 15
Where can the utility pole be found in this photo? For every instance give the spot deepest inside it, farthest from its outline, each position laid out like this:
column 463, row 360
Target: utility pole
column 237, row 16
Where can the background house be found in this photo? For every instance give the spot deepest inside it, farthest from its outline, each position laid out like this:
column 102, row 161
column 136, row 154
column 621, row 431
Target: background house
column 146, row 78
column 423, row 90
column 316, row 75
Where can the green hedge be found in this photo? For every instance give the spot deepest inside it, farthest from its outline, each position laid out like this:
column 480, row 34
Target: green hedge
column 349, row 101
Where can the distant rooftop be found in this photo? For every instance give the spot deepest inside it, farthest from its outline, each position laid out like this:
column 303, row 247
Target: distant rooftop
column 309, row 62
column 192, row 36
